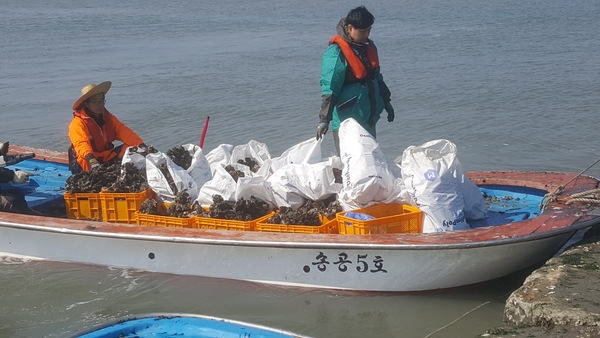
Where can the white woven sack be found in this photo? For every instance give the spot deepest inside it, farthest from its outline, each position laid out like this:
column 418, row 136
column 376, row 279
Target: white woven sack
column 428, row 174
column 219, row 157
column 159, row 183
column 284, row 190
column 221, row 184
column 257, row 186
column 138, row 160
column 308, row 151
column 199, row 168
column 367, row 180
column 257, row 151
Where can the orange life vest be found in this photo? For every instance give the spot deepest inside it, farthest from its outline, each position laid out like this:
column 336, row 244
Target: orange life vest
column 358, row 68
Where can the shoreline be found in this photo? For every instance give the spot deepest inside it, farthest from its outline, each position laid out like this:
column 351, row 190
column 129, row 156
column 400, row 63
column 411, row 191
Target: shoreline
column 559, row 299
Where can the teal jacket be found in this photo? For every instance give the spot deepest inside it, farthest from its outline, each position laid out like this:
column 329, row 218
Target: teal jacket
column 338, row 85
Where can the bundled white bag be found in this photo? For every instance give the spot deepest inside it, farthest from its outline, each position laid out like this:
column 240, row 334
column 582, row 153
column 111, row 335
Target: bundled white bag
column 428, row 172
column 287, row 175
column 222, row 184
column 367, row 180
column 257, row 151
column 316, row 181
column 265, row 169
column 308, row 151
column 138, row 160
column 160, row 183
column 294, row 184
column 475, row 205
column 256, row 186
column 199, row 168
column 284, row 190
column 219, row 157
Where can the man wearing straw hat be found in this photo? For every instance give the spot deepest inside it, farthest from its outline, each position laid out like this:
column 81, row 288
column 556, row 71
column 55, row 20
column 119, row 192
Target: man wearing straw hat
column 94, row 129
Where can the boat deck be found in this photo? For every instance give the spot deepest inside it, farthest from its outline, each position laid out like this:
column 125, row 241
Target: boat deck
column 527, row 186
column 45, row 189
column 44, row 192
column 509, row 204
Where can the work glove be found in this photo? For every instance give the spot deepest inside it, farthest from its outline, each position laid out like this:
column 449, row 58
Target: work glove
column 93, row 162
column 390, row 110
column 322, row 129
column 21, row 176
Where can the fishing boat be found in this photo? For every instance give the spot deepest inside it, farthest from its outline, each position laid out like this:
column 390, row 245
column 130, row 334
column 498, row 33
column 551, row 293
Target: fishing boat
column 181, row 325
column 517, row 234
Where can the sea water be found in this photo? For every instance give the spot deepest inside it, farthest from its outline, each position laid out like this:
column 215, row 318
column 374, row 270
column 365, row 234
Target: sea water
column 514, row 84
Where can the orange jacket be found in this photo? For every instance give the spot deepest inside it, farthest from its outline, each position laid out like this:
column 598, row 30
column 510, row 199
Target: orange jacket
column 88, row 137
column 358, row 68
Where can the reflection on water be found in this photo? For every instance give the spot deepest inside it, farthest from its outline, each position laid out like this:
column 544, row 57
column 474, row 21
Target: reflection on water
column 52, row 299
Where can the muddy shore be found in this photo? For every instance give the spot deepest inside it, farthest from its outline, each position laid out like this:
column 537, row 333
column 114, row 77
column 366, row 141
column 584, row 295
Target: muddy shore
column 559, row 299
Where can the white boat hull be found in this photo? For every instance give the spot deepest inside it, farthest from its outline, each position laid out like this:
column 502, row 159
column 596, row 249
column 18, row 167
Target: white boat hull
column 367, row 267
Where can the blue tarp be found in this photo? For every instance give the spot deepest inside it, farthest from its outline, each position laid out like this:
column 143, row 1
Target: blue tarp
column 47, row 185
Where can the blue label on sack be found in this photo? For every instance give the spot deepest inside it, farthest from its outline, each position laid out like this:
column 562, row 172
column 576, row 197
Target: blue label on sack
column 431, row 175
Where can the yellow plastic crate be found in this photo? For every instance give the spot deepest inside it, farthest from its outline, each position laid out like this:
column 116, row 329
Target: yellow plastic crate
column 389, row 218
column 328, row 227
column 83, row 206
column 121, row 207
column 226, row 224
column 165, row 221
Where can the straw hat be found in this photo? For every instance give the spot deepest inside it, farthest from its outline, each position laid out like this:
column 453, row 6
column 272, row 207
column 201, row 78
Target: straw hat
column 91, row 90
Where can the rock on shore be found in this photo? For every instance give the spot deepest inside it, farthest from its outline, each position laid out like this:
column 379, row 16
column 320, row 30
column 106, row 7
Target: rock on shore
column 560, row 299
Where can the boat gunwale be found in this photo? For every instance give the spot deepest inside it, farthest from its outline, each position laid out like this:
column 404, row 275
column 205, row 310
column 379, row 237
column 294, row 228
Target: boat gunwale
column 174, row 315
column 312, row 244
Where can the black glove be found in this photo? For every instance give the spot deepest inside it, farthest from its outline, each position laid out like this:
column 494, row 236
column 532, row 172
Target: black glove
column 390, row 110
column 322, row 129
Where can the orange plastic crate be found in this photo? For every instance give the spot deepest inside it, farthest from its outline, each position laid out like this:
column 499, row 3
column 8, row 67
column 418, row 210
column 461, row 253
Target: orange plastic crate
column 389, row 218
column 165, row 221
column 83, row 206
column 121, row 207
column 226, row 224
column 328, row 227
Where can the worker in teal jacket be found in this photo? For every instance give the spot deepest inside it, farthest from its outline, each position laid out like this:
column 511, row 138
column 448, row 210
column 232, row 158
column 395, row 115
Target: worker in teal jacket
column 351, row 81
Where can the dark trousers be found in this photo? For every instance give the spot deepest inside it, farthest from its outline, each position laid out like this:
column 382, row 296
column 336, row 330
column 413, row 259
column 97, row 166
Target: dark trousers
column 13, row 200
